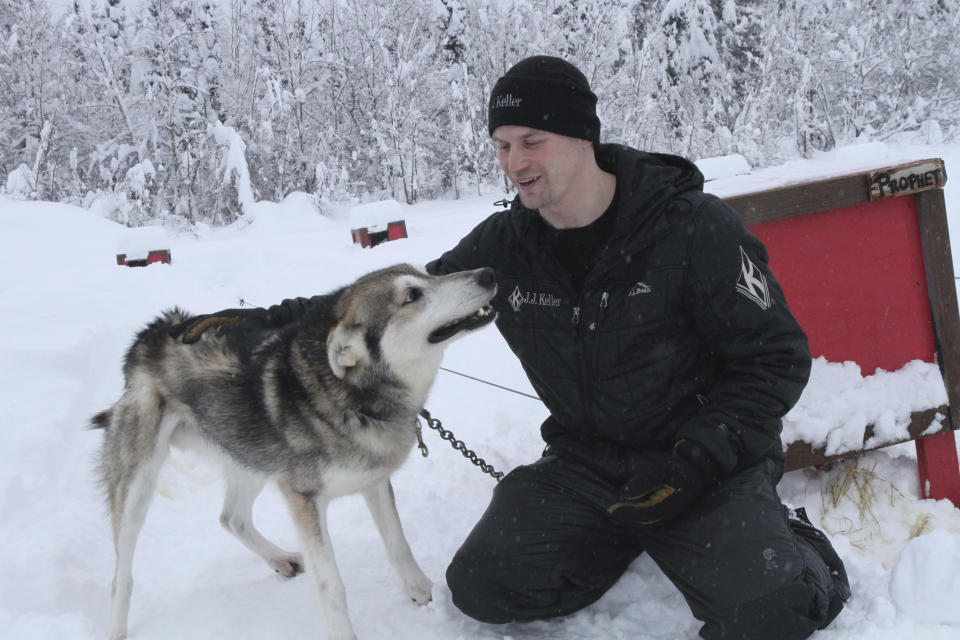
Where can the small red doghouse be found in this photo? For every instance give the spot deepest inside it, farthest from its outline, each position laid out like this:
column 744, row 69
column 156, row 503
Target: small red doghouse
column 865, row 261
column 373, row 235
column 138, row 246
column 154, row 255
column 372, row 223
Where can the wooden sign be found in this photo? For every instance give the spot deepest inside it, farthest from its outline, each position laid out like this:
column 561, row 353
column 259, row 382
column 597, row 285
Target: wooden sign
column 907, row 178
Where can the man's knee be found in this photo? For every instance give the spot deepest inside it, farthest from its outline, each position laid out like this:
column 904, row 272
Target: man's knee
column 476, row 589
column 542, row 548
column 498, row 590
column 810, row 601
column 791, row 613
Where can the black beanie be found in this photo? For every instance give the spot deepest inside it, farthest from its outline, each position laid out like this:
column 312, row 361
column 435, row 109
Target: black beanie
column 546, row 93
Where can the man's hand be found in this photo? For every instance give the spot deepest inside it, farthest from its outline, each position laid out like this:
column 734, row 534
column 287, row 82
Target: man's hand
column 189, row 331
column 275, row 317
column 663, row 485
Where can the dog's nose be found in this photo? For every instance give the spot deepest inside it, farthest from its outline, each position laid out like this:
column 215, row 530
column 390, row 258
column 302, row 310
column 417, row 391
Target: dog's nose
column 486, row 277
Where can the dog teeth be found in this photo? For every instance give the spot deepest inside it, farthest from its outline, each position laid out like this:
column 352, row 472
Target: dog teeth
column 482, row 312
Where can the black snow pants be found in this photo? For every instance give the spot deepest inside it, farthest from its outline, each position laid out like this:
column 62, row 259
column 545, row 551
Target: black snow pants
column 545, row 547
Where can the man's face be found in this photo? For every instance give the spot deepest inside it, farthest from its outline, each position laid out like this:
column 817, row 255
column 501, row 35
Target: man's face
column 544, row 166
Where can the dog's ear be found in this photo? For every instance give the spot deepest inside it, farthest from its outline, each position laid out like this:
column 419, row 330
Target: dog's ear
column 346, row 348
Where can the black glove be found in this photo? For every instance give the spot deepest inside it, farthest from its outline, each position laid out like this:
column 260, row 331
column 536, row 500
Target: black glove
column 274, row 317
column 662, row 485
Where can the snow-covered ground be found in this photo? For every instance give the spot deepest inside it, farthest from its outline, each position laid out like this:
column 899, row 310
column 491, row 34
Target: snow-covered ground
column 68, row 312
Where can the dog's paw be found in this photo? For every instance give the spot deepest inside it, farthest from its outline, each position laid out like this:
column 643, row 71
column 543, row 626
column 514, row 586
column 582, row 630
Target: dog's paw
column 288, row 565
column 419, row 589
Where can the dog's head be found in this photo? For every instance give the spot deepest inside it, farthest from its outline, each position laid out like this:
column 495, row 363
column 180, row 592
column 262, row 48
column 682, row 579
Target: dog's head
column 404, row 318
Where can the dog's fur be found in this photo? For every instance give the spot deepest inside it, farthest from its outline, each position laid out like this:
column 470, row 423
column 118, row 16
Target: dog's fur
column 325, row 406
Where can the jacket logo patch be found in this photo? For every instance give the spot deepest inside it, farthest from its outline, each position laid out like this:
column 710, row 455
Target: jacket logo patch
column 752, row 282
column 519, row 298
column 639, row 288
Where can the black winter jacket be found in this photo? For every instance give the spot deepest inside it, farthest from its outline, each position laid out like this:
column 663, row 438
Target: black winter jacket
column 680, row 330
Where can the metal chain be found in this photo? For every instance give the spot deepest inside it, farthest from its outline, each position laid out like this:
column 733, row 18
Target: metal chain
column 436, row 425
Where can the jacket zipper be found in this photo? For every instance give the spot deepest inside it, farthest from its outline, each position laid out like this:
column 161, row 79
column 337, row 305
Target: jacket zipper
column 585, row 414
column 604, row 303
column 591, row 359
column 587, row 363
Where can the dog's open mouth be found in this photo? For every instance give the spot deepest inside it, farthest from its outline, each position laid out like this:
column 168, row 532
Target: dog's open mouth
column 481, row 317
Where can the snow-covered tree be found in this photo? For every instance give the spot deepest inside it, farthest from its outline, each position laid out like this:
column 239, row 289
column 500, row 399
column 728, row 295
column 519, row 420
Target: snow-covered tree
column 100, row 58
column 183, row 110
column 689, row 71
column 36, row 122
column 287, row 119
column 175, row 70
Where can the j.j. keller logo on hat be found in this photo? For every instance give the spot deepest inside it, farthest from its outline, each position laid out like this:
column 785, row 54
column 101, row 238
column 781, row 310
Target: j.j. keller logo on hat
column 506, row 100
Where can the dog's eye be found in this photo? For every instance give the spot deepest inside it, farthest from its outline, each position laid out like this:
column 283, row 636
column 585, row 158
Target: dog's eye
column 413, row 294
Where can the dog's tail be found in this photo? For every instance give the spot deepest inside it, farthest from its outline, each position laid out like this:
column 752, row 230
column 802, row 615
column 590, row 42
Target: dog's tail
column 101, row 420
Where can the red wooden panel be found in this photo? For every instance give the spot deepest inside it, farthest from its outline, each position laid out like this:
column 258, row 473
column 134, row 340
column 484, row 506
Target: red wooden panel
column 397, row 230
column 938, row 467
column 161, row 255
column 360, row 236
column 854, row 278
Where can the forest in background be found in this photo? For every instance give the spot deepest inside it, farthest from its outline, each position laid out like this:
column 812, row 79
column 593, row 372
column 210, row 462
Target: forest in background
column 181, row 111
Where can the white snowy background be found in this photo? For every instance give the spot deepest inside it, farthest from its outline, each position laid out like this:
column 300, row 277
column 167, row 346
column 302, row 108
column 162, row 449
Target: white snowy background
column 68, row 313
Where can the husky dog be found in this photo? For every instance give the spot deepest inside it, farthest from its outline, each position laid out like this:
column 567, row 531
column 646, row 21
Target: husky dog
column 325, row 406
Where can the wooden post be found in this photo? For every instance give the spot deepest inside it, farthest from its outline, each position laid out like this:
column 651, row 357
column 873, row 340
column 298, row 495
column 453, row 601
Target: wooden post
column 937, row 455
column 937, row 463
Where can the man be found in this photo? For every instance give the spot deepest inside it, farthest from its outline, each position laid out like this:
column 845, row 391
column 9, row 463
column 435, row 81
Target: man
column 648, row 321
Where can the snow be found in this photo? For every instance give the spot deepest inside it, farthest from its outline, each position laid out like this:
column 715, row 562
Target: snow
column 723, row 167
column 233, row 163
column 925, row 583
column 840, row 161
column 20, row 180
column 839, row 402
column 375, row 215
column 138, row 242
column 68, row 313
